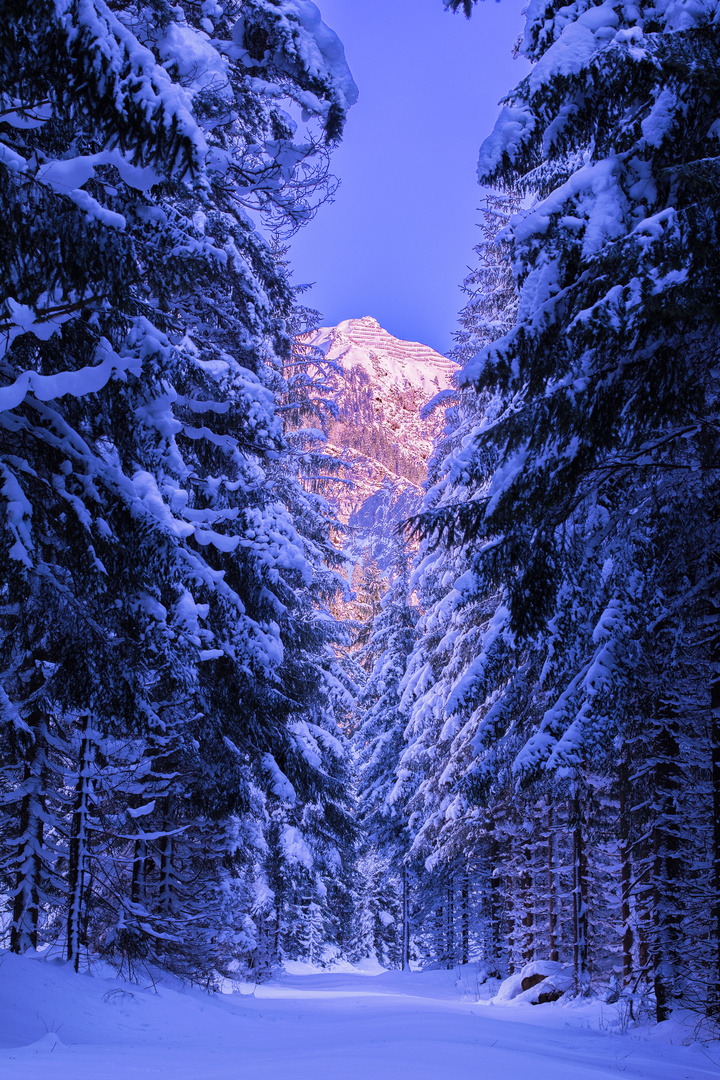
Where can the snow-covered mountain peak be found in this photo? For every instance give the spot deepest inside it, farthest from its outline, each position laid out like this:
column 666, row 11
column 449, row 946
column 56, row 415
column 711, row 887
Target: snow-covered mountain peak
column 381, row 431
column 405, row 364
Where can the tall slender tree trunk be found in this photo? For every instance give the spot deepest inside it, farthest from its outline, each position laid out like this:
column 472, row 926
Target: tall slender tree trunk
column 465, row 916
column 495, row 903
column 137, row 889
column 26, row 900
column 166, row 872
column 666, row 865
column 580, row 919
column 552, row 886
column 714, row 994
column 29, row 845
column 528, row 918
column 625, row 876
column 511, row 923
column 440, row 933
column 450, row 922
column 715, row 914
column 643, row 944
column 78, row 846
column 405, row 919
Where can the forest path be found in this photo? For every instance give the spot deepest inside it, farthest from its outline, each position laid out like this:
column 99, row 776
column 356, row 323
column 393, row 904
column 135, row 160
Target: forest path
column 55, row 1025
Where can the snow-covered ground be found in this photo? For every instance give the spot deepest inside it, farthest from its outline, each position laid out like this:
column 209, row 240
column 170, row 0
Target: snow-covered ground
column 55, row 1025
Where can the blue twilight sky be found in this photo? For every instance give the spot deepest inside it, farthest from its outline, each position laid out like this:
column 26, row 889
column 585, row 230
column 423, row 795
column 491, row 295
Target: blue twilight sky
column 398, row 238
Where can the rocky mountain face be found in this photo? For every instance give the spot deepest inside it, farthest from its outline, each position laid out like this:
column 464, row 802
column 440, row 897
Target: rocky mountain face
column 380, row 387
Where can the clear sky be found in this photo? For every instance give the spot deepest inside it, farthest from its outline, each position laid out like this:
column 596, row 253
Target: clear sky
column 397, row 241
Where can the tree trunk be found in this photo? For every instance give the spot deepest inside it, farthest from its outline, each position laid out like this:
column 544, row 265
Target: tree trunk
column 166, row 873
column 666, row 865
column 465, row 916
column 552, row 909
column 78, row 847
column 405, row 920
column 26, row 902
column 137, row 889
column 29, row 846
column 511, row 923
column 450, row 923
column 496, row 913
column 625, row 877
column 714, row 995
column 29, row 856
column 528, row 920
column 580, row 920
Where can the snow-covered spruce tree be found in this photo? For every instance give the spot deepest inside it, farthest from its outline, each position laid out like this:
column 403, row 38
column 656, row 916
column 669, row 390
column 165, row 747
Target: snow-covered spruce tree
column 306, row 909
column 136, row 413
column 608, row 436
column 310, row 832
column 285, row 570
column 71, row 516
column 383, row 905
column 464, row 650
column 491, row 305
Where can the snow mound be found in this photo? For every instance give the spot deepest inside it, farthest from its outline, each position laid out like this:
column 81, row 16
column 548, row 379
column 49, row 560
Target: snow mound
column 548, row 977
column 369, row 966
column 49, row 1043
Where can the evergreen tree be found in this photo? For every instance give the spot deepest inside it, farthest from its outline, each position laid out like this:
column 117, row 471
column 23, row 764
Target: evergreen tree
column 140, row 514
column 378, row 743
column 604, row 433
column 465, row 652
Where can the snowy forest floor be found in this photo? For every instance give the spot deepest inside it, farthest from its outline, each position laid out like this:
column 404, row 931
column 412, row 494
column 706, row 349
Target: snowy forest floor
column 55, row 1025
